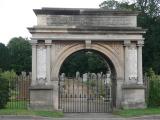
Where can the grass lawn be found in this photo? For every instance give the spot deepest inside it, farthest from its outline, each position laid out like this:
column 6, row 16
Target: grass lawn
column 21, row 104
column 19, row 108
column 30, row 112
column 138, row 112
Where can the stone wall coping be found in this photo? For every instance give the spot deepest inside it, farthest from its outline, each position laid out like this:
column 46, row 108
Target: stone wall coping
column 82, row 11
column 133, row 86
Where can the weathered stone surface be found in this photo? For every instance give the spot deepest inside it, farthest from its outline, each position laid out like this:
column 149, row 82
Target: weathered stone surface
column 41, row 65
column 134, row 96
column 70, row 20
column 41, row 97
column 132, row 64
column 83, row 17
column 62, row 32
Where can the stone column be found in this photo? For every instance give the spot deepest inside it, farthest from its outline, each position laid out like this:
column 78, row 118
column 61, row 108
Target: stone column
column 126, row 61
column 34, row 61
column 48, row 60
column 139, row 62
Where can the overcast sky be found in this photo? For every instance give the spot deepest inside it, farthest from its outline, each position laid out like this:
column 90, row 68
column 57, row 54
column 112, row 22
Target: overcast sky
column 17, row 15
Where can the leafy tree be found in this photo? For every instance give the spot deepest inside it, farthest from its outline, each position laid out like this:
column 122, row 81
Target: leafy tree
column 4, row 92
column 110, row 4
column 4, row 57
column 115, row 5
column 8, row 75
column 20, row 54
column 148, row 18
column 84, row 62
column 149, row 7
column 153, row 96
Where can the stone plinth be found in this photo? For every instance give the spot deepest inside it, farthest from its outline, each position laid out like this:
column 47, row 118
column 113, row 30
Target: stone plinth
column 133, row 96
column 41, row 98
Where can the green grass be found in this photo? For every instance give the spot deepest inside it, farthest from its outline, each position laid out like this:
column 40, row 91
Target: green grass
column 17, row 104
column 138, row 112
column 20, row 108
column 30, row 112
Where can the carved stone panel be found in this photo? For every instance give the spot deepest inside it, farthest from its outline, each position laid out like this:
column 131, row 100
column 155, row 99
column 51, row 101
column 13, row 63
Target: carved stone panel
column 132, row 64
column 41, row 64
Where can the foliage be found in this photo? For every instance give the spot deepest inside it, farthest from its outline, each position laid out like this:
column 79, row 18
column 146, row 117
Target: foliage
column 137, row 112
column 153, row 99
column 149, row 7
column 4, row 92
column 20, row 54
column 8, row 74
column 4, row 57
column 115, row 5
column 17, row 104
column 109, row 4
column 149, row 19
column 84, row 62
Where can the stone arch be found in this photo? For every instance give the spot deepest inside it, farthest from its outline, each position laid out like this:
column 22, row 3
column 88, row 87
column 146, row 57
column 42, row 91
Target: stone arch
column 105, row 50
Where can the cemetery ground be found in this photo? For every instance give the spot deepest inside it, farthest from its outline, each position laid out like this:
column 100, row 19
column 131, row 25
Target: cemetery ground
column 21, row 111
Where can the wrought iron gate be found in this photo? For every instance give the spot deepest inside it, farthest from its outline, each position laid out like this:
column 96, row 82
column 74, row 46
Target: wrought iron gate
column 87, row 94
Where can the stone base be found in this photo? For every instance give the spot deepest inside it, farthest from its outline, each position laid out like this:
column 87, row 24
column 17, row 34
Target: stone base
column 41, row 98
column 133, row 96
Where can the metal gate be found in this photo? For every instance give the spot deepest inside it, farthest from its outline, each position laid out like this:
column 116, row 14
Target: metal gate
column 87, row 94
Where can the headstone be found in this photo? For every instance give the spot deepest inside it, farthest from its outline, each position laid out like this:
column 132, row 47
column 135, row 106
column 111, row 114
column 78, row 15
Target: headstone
column 99, row 76
column 93, row 76
column 85, row 75
column 62, row 77
column 108, row 78
column 77, row 75
column 23, row 74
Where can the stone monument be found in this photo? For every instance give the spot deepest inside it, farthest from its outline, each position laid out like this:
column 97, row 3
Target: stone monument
column 61, row 32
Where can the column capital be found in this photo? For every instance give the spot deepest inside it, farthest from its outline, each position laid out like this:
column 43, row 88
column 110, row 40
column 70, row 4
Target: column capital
column 33, row 42
column 140, row 43
column 127, row 43
column 48, row 42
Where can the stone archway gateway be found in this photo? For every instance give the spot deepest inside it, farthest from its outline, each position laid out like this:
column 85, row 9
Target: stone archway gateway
column 61, row 32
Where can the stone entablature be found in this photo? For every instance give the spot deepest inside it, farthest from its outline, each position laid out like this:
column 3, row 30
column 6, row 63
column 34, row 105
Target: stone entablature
column 61, row 32
column 85, row 17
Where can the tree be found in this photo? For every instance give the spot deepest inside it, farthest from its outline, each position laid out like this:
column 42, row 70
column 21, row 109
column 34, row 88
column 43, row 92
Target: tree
column 20, row 54
column 8, row 75
column 4, row 92
column 110, row 4
column 84, row 62
column 115, row 5
column 4, row 57
column 148, row 18
column 150, row 7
